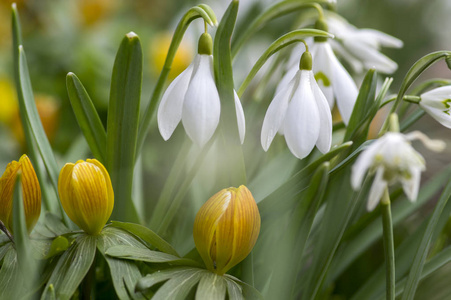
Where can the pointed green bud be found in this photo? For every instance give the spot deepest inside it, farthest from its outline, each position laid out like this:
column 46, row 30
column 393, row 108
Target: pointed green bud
column 205, row 44
column 306, row 61
column 321, row 25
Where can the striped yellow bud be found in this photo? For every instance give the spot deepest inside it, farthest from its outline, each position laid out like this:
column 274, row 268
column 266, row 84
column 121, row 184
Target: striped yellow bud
column 226, row 228
column 30, row 189
column 86, row 194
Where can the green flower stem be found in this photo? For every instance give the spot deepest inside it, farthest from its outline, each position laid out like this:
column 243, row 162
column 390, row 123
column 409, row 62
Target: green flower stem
column 285, row 40
column 412, row 99
column 200, row 11
column 394, row 123
column 277, row 10
column 389, row 249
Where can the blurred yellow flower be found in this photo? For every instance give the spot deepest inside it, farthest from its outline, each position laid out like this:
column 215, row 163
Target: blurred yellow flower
column 86, row 194
column 158, row 52
column 226, row 228
column 30, row 188
column 8, row 101
column 93, row 11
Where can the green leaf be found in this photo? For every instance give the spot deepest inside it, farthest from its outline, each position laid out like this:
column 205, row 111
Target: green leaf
column 147, row 236
column 234, row 290
column 435, row 263
column 232, row 166
column 422, row 250
column 33, row 129
column 277, row 10
column 292, row 37
column 211, row 286
column 364, row 103
column 72, row 267
column 59, row 245
column 151, row 279
column 284, row 260
column 11, row 283
column 122, row 129
column 87, row 116
column 179, row 285
column 146, row 255
column 361, row 235
column 248, row 292
column 125, row 274
column 199, row 11
column 272, row 203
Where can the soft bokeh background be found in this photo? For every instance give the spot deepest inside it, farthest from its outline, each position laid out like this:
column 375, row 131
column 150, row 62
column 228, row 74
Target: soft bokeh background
column 82, row 36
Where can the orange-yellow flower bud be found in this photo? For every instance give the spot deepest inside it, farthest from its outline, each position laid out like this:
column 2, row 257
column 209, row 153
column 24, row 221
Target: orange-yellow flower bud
column 86, row 194
column 30, row 189
column 226, row 228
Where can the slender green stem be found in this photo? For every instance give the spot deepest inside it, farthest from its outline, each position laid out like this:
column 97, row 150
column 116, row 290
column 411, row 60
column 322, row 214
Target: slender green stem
column 412, row 99
column 394, row 123
column 389, row 249
column 87, row 285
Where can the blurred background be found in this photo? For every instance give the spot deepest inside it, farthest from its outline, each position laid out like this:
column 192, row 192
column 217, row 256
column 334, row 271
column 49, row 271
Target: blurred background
column 82, row 36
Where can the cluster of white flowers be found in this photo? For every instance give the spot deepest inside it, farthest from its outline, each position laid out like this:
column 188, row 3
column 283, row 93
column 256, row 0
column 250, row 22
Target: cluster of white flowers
column 301, row 107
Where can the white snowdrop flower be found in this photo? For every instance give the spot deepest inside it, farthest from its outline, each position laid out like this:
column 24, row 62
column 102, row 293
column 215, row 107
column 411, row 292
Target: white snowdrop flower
column 392, row 159
column 361, row 47
column 333, row 79
column 437, row 103
column 193, row 98
column 301, row 112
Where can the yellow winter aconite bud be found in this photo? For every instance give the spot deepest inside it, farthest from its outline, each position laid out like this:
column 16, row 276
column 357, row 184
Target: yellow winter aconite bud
column 226, row 228
column 30, row 189
column 86, row 194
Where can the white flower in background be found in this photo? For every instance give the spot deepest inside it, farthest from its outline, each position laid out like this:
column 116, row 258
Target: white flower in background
column 437, row 103
column 193, row 98
column 392, row 159
column 361, row 47
column 301, row 112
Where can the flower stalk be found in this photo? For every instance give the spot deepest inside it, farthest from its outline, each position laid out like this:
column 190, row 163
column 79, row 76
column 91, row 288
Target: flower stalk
column 389, row 249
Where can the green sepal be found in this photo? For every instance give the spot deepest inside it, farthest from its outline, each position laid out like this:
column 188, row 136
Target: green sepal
column 205, row 45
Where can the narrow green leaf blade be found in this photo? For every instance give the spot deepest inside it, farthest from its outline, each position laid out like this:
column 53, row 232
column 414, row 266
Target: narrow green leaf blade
column 179, row 285
column 232, row 166
column 10, row 277
column 123, row 116
column 87, row 116
column 151, row 279
column 422, row 251
column 72, row 267
column 148, row 236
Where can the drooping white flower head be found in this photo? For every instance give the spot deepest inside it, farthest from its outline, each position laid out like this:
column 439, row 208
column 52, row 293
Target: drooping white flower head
column 392, row 159
column 361, row 47
column 333, row 79
column 301, row 112
column 193, row 98
column 437, row 103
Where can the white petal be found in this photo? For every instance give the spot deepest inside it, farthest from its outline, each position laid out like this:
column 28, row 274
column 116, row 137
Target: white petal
column 276, row 113
column 345, row 89
column 325, row 131
column 322, row 70
column 355, row 64
column 286, row 79
column 371, row 57
column 377, row 189
column 437, row 95
column 434, row 145
column 382, row 38
column 438, row 114
column 201, row 107
column 411, row 186
column 240, row 117
column 363, row 162
column 171, row 105
column 301, row 125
